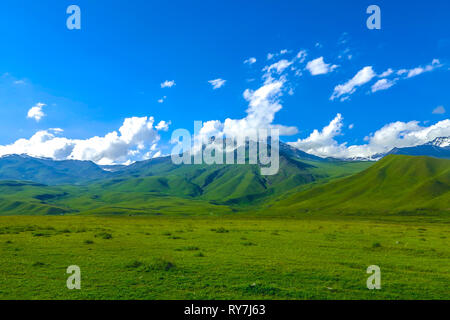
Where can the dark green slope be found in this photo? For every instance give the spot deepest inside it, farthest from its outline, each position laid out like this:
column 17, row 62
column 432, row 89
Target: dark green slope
column 19, row 197
column 219, row 183
column 395, row 184
column 169, row 185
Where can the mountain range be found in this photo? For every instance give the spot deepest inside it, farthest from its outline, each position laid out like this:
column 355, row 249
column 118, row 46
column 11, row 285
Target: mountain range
column 397, row 184
column 437, row 148
column 51, row 172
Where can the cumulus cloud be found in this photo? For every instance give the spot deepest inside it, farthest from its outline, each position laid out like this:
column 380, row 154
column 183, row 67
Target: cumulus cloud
column 439, row 110
column 362, row 77
column 322, row 142
column 162, row 126
column 250, row 61
column 168, row 84
column 36, row 112
column 132, row 142
column 162, row 99
column 263, row 104
column 217, row 83
column 318, row 66
column 396, row 134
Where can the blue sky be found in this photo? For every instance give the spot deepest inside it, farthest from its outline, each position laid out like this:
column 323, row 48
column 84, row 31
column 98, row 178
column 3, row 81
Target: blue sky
column 90, row 80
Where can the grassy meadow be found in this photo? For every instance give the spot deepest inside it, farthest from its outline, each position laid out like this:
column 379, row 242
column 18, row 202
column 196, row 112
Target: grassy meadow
column 228, row 257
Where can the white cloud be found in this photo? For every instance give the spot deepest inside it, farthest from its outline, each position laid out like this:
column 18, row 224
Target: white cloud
column 419, row 70
column 415, row 72
column 162, row 99
column 36, row 112
column 439, row 110
column 19, row 82
column 263, row 104
column 132, row 142
column 270, row 56
column 277, row 69
column 397, row 134
column 321, row 143
column 387, row 73
column 301, row 56
column 168, row 84
column 162, row 126
column 217, row 83
column 279, row 66
column 318, row 66
column 402, row 74
column 250, row 61
column 382, row 84
column 410, row 73
column 362, row 77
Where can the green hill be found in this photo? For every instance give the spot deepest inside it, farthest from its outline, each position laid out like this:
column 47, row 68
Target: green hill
column 168, row 185
column 157, row 186
column 21, row 197
column 232, row 184
column 220, row 183
column 394, row 185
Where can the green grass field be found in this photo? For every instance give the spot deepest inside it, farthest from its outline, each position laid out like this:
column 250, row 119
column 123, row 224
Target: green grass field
column 237, row 257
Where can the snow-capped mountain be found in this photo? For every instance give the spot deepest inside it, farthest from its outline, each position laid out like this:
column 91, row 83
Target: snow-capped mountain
column 437, row 148
column 374, row 157
column 443, row 142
